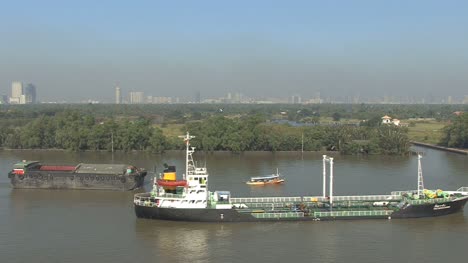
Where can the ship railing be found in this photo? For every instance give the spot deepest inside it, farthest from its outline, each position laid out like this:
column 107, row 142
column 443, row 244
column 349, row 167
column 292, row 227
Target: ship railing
column 353, row 213
column 416, row 191
column 428, row 201
column 265, row 199
column 278, row 215
column 367, row 198
column 463, row 189
column 144, row 199
column 353, row 198
column 403, row 192
column 169, row 195
column 261, row 205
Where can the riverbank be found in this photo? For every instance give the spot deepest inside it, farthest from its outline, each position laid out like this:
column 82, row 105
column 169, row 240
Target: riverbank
column 442, row 148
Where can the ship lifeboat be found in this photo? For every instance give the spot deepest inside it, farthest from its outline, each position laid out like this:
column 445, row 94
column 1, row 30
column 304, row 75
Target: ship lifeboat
column 171, row 183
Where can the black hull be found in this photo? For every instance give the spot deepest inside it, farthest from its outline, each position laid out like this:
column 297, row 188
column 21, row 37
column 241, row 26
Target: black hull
column 82, row 181
column 430, row 210
column 232, row 215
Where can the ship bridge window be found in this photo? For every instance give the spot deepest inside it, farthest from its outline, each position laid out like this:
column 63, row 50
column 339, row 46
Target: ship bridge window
column 223, row 195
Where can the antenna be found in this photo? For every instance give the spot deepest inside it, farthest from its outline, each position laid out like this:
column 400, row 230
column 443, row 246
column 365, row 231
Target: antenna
column 188, row 155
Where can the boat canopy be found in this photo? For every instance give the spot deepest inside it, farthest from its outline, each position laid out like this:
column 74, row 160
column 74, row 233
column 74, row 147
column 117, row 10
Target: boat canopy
column 264, row 178
column 25, row 164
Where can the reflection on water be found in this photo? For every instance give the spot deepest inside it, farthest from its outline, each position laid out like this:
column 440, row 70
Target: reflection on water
column 184, row 242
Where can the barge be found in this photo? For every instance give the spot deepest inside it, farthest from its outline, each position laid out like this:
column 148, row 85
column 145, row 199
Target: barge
column 188, row 199
column 33, row 174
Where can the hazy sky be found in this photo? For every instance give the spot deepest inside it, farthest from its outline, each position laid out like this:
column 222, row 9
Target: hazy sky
column 82, row 49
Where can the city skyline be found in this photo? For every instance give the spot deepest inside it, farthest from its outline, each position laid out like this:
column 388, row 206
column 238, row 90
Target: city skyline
column 78, row 51
column 27, row 94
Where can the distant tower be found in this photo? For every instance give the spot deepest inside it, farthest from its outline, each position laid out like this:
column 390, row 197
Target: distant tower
column 118, row 95
column 16, row 92
column 296, row 99
column 136, row 97
column 30, row 94
column 197, row 97
column 16, row 89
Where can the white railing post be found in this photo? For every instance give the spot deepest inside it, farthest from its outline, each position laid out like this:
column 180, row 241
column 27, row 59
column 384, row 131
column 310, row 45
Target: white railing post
column 330, row 160
column 324, row 176
column 331, row 182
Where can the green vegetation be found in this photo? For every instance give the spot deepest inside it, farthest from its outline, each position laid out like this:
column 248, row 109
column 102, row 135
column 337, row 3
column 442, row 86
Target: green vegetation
column 426, row 131
column 349, row 129
column 73, row 131
column 455, row 134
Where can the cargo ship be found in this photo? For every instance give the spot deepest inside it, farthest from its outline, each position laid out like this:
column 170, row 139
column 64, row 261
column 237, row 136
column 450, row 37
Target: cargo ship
column 33, row 174
column 188, row 199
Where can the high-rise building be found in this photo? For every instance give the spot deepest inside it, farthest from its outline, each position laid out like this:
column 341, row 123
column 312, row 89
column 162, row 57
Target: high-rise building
column 16, row 92
column 118, row 95
column 296, row 99
column 16, row 89
column 22, row 95
column 136, row 97
column 3, row 99
column 30, row 94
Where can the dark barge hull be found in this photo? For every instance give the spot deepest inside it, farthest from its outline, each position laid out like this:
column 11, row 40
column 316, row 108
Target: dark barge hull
column 68, row 180
column 232, row 215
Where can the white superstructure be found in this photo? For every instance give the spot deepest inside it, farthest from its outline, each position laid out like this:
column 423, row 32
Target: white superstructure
column 195, row 192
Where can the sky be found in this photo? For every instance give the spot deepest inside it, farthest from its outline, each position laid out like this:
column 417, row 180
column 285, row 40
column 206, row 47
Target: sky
column 77, row 50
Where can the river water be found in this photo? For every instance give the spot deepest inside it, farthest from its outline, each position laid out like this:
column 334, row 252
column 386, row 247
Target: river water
column 100, row 226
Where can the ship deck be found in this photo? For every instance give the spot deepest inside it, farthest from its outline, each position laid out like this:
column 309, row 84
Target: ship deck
column 313, row 207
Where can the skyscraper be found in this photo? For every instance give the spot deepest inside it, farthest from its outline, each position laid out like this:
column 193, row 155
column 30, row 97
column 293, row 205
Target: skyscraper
column 296, row 99
column 16, row 92
column 16, row 89
column 22, row 95
column 136, row 97
column 30, row 93
column 118, row 96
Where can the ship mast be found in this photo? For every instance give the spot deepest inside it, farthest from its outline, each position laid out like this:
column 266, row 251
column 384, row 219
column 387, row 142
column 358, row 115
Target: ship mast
column 420, row 178
column 330, row 160
column 188, row 153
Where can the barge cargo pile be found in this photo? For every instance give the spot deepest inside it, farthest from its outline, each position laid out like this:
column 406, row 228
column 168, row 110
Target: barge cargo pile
column 192, row 201
column 33, row 174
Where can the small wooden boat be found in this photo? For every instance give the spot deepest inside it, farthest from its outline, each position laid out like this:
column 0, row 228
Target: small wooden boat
column 264, row 180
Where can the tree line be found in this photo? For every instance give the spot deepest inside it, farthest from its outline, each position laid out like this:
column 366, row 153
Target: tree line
column 75, row 131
